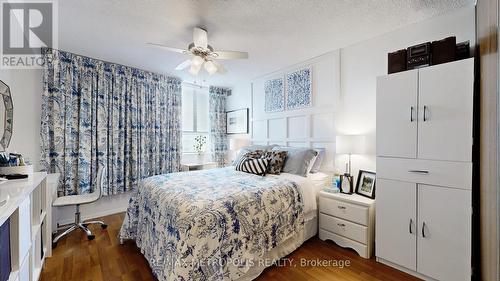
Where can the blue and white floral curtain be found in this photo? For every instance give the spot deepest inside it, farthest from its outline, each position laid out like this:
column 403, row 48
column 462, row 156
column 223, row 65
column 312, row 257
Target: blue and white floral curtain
column 98, row 113
column 218, row 135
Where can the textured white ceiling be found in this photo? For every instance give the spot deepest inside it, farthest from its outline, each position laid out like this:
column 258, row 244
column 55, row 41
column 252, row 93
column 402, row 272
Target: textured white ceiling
column 276, row 33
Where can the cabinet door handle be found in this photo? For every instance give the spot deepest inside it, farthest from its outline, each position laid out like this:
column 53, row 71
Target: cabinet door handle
column 410, row 229
column 341, row 207
column 425, row 113
column 411, row 113
column 341, row 224
column 423, row 230
column 419, row 171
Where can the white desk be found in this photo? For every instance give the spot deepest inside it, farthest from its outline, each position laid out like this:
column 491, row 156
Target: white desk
column 197, row 166
column 30, row 213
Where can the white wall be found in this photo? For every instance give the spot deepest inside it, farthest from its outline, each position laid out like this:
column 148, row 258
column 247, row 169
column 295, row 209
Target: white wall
column 240, row 98
column 361, row 63
column 26, row 91
column 308, row 127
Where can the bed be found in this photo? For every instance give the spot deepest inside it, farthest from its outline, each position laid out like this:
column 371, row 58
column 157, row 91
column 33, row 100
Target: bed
column 220, row 224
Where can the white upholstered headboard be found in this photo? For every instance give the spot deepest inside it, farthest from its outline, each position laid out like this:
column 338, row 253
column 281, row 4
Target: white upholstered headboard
column 312, row 127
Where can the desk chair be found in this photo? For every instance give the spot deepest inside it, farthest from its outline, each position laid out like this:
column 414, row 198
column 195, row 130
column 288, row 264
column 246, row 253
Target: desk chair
column 78, row 200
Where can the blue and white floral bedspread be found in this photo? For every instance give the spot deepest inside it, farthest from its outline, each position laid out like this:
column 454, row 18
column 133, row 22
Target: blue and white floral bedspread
column 211, row 224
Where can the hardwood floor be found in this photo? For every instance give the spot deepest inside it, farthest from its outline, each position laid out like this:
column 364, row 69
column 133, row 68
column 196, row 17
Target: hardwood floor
column 76, row 258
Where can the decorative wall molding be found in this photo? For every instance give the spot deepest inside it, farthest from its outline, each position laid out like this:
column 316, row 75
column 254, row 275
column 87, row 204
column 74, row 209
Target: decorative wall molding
column 313, row 126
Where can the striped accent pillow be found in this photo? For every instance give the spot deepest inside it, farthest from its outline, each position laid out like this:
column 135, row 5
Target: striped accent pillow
column 257, row 166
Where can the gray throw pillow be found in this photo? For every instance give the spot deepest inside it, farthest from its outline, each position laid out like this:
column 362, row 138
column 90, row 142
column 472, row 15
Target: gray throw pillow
column 298, row 159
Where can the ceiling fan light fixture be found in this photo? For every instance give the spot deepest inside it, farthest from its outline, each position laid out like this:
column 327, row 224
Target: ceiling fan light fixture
column 197, row 60
column 203, row 55
column 194, row 69
column 210, row 67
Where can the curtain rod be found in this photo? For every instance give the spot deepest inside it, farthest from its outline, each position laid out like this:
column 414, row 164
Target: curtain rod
column 109, row 62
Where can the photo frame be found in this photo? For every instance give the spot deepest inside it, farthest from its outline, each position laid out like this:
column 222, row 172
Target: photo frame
column 365, row 185
column 237, row 121
column 274, row 91
column 299, row 92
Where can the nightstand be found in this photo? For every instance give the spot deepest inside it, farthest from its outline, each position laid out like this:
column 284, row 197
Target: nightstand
column 348, row 220
column 197, row 166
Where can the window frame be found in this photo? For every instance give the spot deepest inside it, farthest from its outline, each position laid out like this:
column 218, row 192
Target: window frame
column 196, row 92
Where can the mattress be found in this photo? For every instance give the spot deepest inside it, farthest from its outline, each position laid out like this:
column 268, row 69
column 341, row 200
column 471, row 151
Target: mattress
column 212, row 224
column 185, row 215
column 310, row 188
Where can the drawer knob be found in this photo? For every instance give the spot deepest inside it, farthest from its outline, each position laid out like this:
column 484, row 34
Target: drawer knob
column 341, row 207
column 341, row 224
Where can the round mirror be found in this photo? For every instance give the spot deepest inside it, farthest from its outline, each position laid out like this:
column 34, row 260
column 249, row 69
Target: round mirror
column 7, row 113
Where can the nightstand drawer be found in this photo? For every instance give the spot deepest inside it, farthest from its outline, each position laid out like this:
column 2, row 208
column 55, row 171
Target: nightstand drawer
column 344, row 210
column 344, row 228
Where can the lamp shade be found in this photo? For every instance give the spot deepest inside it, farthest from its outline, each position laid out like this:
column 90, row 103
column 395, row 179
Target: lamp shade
column 350, row 144
column 236, row 144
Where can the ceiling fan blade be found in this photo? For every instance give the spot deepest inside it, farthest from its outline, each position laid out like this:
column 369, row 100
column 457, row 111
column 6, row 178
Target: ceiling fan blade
column 200, row 37
column 181, row 51
column 183, row 65
column 229, row 55
column 220, row 69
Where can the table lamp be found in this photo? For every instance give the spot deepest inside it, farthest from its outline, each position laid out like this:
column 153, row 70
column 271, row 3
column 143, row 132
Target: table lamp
column 236, row 144
column 349, row 144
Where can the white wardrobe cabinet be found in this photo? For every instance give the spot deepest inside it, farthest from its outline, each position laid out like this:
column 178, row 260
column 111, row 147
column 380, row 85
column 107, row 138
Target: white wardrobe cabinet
column 444, row 239
column 397, row 122
column 424, row 171
column 427, row 113
column 396, row 222
column 445, row 101
column 427, row 234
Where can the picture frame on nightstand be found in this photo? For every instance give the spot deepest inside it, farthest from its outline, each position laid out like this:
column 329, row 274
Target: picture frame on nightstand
column 365, row 185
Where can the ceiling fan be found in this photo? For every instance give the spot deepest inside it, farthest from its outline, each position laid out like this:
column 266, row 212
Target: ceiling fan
column 203, row 55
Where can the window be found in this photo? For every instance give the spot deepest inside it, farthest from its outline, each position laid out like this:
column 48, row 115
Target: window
column 195, row 119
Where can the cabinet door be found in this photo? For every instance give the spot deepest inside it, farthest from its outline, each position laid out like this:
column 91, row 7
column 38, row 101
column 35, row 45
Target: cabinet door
column 396, row 226
column 397, row 115
column 444, row 243
column 445, row 109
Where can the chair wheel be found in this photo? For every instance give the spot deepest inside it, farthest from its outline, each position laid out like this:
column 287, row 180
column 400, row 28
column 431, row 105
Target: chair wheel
column 104, row 226
column 91, row 237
